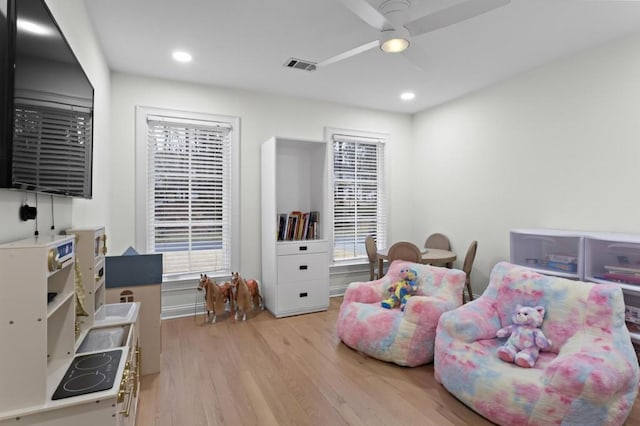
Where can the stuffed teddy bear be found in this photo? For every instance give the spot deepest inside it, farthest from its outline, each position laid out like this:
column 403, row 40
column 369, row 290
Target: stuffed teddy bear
column 525, row 337
column 402, row 290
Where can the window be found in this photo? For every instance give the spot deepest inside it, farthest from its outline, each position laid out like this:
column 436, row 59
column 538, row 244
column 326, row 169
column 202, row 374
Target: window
column 187, row 178
column 52, row 143
column 359, row 195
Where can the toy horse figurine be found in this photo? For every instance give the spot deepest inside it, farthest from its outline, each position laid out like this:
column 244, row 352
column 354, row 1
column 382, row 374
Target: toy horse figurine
column 227, row 295
column 241, row 295
column 244, row 299
column 254, row 292
column 213, row 296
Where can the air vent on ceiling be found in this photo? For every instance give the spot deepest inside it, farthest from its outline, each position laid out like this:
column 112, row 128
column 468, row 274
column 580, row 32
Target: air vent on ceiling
column 300, row 64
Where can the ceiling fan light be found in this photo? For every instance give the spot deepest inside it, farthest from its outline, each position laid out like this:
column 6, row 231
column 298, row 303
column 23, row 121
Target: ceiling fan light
column 394, row 41
column 395, row 45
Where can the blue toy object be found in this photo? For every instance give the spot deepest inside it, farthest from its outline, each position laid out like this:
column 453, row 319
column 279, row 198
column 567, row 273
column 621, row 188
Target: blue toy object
column 402, row 290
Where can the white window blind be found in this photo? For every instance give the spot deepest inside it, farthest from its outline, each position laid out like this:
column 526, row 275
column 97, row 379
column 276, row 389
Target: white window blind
column 189, row 194
column 359, row 195
column 52, row 148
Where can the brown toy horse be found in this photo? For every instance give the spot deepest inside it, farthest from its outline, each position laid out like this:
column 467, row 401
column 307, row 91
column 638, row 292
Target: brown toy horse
column 227, row 295
column 246, row 294
column 214, row 297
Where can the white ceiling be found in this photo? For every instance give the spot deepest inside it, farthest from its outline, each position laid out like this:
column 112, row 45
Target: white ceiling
column 245, row 43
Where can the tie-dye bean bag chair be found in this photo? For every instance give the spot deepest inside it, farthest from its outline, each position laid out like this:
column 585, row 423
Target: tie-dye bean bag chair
column 589, row 376
column 405, row 338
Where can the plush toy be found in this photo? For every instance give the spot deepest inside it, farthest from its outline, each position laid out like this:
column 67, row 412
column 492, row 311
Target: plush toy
column 525, row 337
column 402, row 290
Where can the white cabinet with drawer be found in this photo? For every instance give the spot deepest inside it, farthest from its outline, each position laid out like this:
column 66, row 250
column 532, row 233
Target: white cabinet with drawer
column 295, row 273
column 303, row 280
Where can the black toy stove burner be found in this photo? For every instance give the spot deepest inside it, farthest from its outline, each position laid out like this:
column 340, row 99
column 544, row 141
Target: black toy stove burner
column 89, row 373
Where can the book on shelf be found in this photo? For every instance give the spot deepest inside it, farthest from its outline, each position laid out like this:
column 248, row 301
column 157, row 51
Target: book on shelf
column 621, row 278
column 298, row 226
column 622, row 270
column 560, row 266
column 561, row 258
column 282, row 225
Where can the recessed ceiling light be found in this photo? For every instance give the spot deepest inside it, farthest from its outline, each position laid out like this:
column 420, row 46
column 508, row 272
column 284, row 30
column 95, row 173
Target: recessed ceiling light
column 181, row 56
column 33, row 27
column 407, row 96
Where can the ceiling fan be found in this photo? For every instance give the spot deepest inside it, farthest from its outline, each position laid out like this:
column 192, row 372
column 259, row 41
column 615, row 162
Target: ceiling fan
column 391, row 19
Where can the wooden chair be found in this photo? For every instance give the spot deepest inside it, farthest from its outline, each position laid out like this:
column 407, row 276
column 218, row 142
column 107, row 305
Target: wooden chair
column 437, row 241
column 466, row 268
column 404, row 250
column 370, row 245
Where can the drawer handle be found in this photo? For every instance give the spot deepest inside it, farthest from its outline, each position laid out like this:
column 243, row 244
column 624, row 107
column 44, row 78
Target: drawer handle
column 303, row 267
column 305, row 294
column 302, row 248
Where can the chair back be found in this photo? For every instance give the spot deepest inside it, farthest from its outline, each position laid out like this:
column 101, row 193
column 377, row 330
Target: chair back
column 468, row 265
column 570, row 305
column 438, row 241
column 370, row 245
column 405, row 250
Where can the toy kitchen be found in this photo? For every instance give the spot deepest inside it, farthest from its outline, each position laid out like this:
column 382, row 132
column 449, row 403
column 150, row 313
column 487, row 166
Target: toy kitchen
column 67, row 357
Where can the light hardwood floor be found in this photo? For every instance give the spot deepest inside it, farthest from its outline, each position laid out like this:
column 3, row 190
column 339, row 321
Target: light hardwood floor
column 288, row 371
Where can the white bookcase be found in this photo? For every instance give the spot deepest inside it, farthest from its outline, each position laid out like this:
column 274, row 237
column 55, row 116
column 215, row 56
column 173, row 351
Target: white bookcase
column 295, row 274
column 37, row 335
column 91, row 248
column 39, row 343
column 542, row 250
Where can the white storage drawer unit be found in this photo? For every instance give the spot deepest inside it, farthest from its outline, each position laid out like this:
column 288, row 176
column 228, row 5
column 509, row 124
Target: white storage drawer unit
column 604, row 258
column 548, row 251
column 615, row 258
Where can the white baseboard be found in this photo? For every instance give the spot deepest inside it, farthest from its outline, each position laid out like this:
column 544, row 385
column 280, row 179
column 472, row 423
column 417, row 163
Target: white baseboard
column 179, row 311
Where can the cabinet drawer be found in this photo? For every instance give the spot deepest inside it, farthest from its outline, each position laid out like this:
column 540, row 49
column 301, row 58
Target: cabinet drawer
column 303, row 267
column 302, row 247
column 301, row 296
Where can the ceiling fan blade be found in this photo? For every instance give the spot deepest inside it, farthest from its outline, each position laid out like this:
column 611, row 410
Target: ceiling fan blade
column 367, row 13
column 452, row 15
column 348, row 53
column 416, row 57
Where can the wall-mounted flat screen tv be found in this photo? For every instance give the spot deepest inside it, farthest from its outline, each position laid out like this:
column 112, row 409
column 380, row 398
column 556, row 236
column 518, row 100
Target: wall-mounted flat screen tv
column 48, row 127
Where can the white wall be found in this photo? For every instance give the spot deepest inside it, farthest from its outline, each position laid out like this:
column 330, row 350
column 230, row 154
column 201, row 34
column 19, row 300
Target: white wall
column 73, row 20
column 556, row 147
column 261, row 116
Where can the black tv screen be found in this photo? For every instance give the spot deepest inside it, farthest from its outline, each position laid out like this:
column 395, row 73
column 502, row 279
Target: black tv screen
column 48, row 144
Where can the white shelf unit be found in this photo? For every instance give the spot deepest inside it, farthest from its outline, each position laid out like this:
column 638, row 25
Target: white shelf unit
column 531, row 248
column 91, row 249
column 39, row 341
column 37, row 336
column 295, row 274
column 615, row 258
